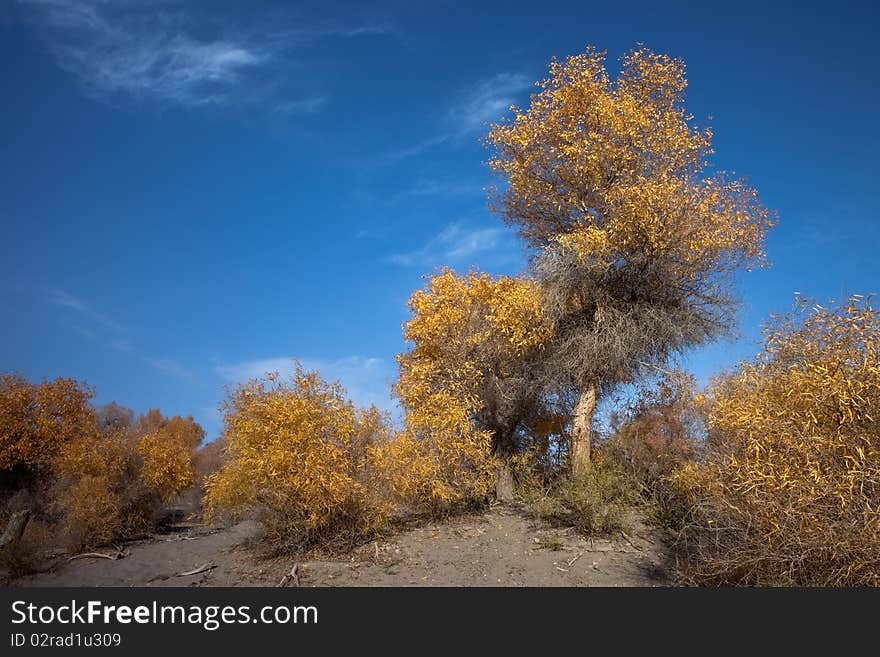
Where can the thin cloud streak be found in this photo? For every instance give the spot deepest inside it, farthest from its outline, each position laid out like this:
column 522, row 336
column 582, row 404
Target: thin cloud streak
column 65, row 300
column 487, row 101
column 143, row 55
column 453, row 244
column 146, row 52
column 170, row 367
column 110, row 333
column 478, row 105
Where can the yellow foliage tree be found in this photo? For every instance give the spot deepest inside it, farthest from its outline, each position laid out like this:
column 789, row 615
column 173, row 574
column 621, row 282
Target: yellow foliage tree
column 167, row 466
column 466, row 383
column 298, row 452
column 789, row 493
column 636, row 240
column 113, row 483
column 96, row 474
column 38, row 420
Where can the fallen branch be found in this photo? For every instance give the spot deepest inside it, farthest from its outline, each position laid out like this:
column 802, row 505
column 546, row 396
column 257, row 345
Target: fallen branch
column 120, row 554
column 629, row 540
column 573, row 559
column 292, row 576
column 201, row 569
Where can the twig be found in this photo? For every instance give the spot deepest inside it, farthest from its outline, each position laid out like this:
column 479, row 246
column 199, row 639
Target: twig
column 561, row 569
column 629, row 540
column 94, row 555
column 376, row 546
column 292, row 576
column 201, row 569
column 573, row 559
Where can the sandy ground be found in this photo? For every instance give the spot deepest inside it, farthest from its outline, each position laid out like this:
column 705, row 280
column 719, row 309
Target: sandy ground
column 501, row 547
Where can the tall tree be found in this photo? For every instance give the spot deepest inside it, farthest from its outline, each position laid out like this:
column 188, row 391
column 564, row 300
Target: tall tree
column 634, row 240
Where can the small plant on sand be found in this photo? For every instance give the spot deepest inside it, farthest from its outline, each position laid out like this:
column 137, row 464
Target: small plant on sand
column 594, row 500
column 658, row 433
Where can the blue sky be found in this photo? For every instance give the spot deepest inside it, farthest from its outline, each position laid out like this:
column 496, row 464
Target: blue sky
column 192, row 193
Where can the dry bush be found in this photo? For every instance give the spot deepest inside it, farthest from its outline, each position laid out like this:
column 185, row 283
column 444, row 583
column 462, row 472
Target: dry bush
column 115, row 483
column 788, row 493
column 299, row 457
column 166, row 463
column 594, row 499
column 658, row 434
column 30, row 553
column 433, row 477
column 39, row 424
column 208, row 459
column 92, row 475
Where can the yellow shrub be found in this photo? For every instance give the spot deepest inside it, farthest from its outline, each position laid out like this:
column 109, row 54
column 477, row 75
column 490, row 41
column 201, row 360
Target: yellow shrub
column 416, row 476
column 296, row 454
column 96, row 476
column 114, row 483
column 91, row 477
column 790, row 490
column 167, row 451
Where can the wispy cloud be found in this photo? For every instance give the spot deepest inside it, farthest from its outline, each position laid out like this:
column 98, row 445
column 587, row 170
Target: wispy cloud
column 170, row 367
column 437, row 187
column 476, row 105
column 366, row 380
column 453, row 244
column 143, row 52
column 103, row 329
column 314, row 32
column 398, row 154
column 150, row 51
column 303, row 106
column 83, row 309
column 487, row 100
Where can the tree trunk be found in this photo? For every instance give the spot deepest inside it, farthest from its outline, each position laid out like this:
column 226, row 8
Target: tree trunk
column 504, row 485
column 14, row 529
column 582, row 428
column 503, row 448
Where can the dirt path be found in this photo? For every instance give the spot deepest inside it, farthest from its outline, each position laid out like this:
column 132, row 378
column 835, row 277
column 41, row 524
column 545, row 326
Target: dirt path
column 501, row 547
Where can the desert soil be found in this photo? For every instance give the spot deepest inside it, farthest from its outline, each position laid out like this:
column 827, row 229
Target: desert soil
column 501, row 547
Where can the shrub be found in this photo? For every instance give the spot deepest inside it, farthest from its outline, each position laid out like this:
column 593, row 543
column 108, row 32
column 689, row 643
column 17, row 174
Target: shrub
column 114, row 484
column 659, row 433
column 789, row 489
column 91, row 475
column 593, row 500
column 84, row 492
column 451, row 471
column 298, row 454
